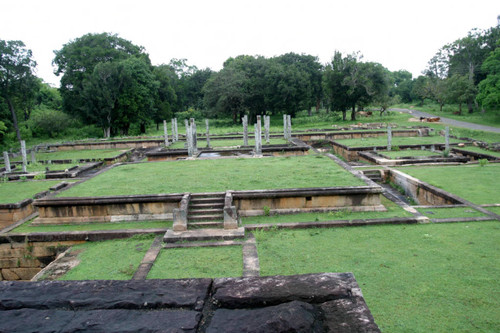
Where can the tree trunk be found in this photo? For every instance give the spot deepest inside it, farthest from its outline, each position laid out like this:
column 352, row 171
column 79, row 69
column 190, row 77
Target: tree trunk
column 14, row 119
column 440, row 107
column 344, row 115
column 309, row 111
column 318, row 104
column 470, row 106
column 143, row 128
column 460, row 108
column 353, row 113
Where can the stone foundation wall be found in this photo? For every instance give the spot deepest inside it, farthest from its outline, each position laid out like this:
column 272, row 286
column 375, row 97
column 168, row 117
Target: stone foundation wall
column 313, row 199
column 106, row 209
column 23, row 260
column 11, row 213
column 422, row 193
column 109, row 145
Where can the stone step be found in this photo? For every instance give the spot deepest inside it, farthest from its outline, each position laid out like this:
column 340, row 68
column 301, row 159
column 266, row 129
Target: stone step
column 215, row 205
column 205, row 211
column 206, row 217
column 197, row 201
column 208, row 195
column 206, row 224
column 203, row 235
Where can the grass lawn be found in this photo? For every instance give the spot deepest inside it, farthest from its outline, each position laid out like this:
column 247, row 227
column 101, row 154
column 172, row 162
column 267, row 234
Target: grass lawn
column 415, row 278
column 217, row 175
column 409, row 153
column 481, row 151
column 472, row 182
column 444, row 213
column 495, row 210
column 396, row 141
column 393, row 210
column 11, row 192
column 200, row 262
column 202, row 143
column 27, row 227
column 115, row 259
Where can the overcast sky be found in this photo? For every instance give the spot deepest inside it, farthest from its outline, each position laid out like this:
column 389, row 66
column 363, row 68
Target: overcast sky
column 398, row 34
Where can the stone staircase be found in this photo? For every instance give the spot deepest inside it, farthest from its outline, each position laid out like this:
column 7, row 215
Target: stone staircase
column 374, row 175
column 206, row 210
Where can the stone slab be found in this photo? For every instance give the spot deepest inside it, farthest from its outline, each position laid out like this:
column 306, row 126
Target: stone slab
column 88, row 295
column 262, row 291
column 203, row 234
column 30, row 320
column 288, row 317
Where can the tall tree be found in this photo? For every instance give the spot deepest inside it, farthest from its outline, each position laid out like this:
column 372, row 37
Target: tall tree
column 17, row 81
column 166, row 97
column 489, row 88
column 77, row 59
column 333, row 84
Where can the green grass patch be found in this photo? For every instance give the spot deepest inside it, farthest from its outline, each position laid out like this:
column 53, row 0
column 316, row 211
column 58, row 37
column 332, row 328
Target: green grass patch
column 116, row 259
column 227, row 143
column 495, row 210
column 472, row 182
column 11, row 192
column 199, row 262
column 410, row 153
column 415, row 278
column 27, row 227
column 217, row 175
column 396, row 141
column 393, row 210
column 444, row 213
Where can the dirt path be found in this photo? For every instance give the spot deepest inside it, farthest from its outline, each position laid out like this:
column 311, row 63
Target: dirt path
column 448, row 121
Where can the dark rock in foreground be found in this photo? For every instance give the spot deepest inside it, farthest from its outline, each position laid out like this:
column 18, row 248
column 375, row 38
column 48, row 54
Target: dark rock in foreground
column 327, row 302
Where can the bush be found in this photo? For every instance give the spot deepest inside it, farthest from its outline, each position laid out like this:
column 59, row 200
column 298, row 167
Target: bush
column 49, row 123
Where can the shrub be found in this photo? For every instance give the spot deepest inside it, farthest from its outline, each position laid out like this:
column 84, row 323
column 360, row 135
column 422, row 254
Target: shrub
column 49, row 123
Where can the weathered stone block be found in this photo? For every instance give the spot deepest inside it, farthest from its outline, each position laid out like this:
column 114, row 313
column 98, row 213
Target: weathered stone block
column 288, row 317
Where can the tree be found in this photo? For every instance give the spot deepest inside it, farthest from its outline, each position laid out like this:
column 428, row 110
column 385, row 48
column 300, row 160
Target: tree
column 77, row 59
column 118, row 94
column 17, row 86
column 166, row 96
column 335, row 90
column 489, row 88
column 460, row 90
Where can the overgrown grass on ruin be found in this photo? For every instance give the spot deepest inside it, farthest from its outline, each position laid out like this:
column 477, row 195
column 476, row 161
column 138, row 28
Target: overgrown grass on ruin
column 216, row 175
column 444, row 213
column 27, row 227
column 199, row 262
column 116, row 259
column 396, row 141
column 476, row 183
column 415, row 278
column 74, row 155
column 410, row 153
column 15, row 191
column 202, row 143
column 393, row 210
column 481, row 151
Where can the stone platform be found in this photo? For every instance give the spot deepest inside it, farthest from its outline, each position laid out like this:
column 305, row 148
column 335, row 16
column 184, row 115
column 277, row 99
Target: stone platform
column 325, row 302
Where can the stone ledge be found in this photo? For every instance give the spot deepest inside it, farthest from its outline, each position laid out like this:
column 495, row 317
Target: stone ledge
column 78, row 201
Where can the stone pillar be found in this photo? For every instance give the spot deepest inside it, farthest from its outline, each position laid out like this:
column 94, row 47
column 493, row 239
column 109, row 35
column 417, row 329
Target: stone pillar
column 285, row 127
column 173, row 130
column 33, row 156
column 6, row 161
column 194, row 134
column 389, row 138
column 208, row 133
column 244, row 120
column 189, row 141
column 258, row 142
column 433, row 148
column 176, row 131
column 186, row 124
column 165, row 133
column 447, row 138
column 23, row 153
column 267, row 123
column 289, row 127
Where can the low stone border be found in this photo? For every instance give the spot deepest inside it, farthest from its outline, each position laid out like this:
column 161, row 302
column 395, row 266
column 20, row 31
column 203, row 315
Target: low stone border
column 462, row 219
column 332, row 224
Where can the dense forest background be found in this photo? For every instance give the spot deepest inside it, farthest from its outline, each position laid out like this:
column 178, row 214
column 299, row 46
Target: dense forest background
column 110, row 88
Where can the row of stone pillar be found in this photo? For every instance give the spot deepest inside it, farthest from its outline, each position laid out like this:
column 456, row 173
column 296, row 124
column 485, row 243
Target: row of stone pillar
column 446, row 138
